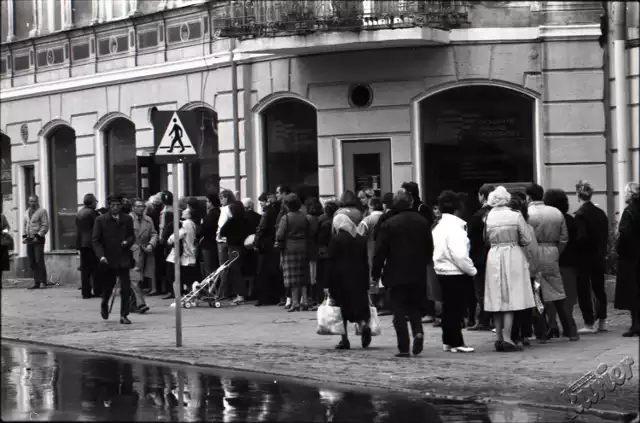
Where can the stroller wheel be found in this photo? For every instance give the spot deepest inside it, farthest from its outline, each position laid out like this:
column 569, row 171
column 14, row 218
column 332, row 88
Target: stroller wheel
column 187, row 305
column 217, row 304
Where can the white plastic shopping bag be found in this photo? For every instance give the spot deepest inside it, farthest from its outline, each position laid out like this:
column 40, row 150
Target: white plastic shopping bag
column 330, row 319
column 536, row 297
column 374, row 323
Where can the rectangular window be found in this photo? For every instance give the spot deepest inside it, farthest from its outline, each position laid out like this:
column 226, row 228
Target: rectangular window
column 29, row 183
column 23, row 12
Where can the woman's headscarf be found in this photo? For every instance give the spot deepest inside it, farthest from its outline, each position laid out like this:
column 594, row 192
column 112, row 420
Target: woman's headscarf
column 344, row 222
column 499, row 197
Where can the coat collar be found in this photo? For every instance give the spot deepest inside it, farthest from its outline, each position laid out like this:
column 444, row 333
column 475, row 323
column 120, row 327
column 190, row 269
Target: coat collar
column 450, row 219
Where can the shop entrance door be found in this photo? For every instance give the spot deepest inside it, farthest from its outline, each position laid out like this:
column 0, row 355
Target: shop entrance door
column 367, row 164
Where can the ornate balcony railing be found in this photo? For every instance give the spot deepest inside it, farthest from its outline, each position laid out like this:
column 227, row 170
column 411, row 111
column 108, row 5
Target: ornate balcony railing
column 271, row 18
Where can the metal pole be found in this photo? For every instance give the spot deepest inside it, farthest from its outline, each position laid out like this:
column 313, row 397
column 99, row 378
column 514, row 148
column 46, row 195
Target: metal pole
column 177, row 288
column 621, row 96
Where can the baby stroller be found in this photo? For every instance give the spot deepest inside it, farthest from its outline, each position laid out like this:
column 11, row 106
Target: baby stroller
column 210, row 289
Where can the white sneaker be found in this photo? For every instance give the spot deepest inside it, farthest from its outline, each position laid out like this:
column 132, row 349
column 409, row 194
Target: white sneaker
column 493, row 330
column 446, row 348
column 602, row 325
column 588, row 329
column 462, row 349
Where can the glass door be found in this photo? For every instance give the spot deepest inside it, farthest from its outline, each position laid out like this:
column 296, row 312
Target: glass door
column 367, row 164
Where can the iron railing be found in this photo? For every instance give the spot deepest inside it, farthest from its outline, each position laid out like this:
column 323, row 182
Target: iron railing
column 272, row 18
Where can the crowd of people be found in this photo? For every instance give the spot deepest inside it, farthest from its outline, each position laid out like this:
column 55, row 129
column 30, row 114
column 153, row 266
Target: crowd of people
column 516, row 266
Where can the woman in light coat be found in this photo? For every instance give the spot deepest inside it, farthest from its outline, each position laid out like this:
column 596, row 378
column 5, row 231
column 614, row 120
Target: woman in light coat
column 187, row 261
column 508, row 283
column 143, row 253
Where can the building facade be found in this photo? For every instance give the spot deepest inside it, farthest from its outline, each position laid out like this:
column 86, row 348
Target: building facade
column 321, row 95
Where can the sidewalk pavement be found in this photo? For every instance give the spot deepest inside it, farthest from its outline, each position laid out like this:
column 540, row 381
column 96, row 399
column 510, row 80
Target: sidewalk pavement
column 270, row 340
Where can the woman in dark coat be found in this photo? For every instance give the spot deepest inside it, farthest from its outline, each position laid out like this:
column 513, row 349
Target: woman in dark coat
column 627, row 295
column 323, row 237
column 349, row 280
column 236, row 230
column 4, row 249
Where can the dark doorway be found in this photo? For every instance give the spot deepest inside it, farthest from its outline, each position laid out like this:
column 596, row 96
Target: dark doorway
column 63, row 188
column 475, row 135
column 121, row 161
column 291, row 147
column 6, row 186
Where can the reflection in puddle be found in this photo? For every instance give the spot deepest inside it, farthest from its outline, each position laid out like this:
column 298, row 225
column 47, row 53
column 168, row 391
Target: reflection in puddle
column 39, row 384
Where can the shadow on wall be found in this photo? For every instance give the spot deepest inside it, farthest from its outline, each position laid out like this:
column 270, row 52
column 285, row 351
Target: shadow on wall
column 62, row 268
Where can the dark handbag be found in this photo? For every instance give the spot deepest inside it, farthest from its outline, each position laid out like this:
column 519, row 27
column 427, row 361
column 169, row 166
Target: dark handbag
column 7, row 241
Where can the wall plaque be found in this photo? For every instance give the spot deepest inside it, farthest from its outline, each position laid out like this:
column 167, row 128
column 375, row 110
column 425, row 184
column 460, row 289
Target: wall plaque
column 24, row 132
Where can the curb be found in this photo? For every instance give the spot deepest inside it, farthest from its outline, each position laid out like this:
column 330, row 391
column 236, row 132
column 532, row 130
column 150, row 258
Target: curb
column 605, row 414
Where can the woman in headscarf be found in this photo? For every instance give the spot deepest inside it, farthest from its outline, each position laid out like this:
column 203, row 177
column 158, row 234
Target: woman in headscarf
column 508, row 283
column 349, row 277
column 350, row 206
column 627, row 296
column 325, row 228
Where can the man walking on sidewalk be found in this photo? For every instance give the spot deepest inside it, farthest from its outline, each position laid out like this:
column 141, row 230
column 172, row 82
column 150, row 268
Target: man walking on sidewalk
column 593, row 233
column 113, row 237
column 404, row 247
column 36, row 226
column 146, row 239
column 85, row 219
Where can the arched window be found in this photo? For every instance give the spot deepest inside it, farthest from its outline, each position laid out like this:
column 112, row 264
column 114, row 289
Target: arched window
column 203, row 177
column 120, row 154
column 474, row 135
column 63, row 188
column 291, row 146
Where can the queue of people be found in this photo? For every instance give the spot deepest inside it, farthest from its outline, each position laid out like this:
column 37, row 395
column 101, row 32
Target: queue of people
column 516, row 266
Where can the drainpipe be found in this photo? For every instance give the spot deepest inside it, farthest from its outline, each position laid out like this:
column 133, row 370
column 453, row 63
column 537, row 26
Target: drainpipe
column 236, row 132
column 606, row 74
column 10, row 64
column 622, row 115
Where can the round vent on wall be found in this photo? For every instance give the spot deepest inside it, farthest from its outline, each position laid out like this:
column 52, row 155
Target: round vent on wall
column 360, row 96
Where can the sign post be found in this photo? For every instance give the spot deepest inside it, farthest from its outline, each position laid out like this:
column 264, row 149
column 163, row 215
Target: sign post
column 174, row 146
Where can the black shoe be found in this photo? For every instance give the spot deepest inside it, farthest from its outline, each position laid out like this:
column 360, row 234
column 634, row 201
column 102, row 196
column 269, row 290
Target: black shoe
column 104, row 311
column 343, row 345
column 169, row 297
column 631, row 333
column 143, row 309
column 125, row 321
column 86, row 297
column 366, row 336
column 258, row 304
column 403, row 355
column 418, row 344
column 36, row 286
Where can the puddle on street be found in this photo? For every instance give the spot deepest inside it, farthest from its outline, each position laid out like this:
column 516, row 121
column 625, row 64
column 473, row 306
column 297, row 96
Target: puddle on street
column 55, row 385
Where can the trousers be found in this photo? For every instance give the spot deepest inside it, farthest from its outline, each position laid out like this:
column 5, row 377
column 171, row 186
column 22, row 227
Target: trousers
column 35, row 253
column 591, row 284
column 88, row 266
column 405, row 303
column 109, row 276
column 453, row 308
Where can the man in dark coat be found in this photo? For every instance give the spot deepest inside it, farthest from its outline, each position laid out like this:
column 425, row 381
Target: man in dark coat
column 113, row 236
column 478, row 253
column 85, row 220
column 270, row 284
column 593, row 237
column 425, row 211
column 404, row 247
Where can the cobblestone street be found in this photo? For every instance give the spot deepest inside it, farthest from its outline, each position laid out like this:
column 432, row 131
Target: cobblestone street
column 271, row 341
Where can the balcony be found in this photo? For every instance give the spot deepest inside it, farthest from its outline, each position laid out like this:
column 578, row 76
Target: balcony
column 314, row 26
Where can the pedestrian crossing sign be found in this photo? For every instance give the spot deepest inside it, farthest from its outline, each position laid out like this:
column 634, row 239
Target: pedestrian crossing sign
column 173, row 143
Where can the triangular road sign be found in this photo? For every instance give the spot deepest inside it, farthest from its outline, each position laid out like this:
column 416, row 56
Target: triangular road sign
column 175, row 141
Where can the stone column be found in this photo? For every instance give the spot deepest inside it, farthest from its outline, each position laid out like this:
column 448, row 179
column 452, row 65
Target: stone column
column 67, row 14
column 12, row 18
column 133, row 7
column 95, row 7
column 37, row 11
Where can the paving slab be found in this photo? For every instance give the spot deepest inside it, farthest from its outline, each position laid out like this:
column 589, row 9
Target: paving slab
column 270, row 340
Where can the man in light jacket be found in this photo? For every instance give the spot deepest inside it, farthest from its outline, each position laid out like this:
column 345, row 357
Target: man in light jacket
column 146, row 239
column 36, row 226
column 454, row 268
